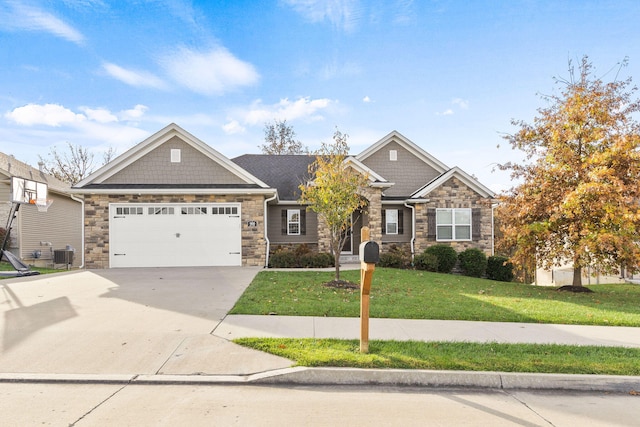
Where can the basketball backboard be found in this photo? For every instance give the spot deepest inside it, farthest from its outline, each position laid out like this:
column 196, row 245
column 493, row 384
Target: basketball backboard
column 28, row 192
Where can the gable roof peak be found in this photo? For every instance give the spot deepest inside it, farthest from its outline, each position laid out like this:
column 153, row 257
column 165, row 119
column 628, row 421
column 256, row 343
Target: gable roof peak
column 157, row 139
column 407, row 144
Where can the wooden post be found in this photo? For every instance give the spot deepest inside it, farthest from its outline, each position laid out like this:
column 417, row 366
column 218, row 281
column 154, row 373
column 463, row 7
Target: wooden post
column 366, row 273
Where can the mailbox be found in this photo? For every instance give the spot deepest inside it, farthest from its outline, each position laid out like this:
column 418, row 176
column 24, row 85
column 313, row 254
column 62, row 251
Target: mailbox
column 369, row 252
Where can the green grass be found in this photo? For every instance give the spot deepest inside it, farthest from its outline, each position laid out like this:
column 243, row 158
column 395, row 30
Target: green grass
column 463, row 356
column 5, row 266
column 422, row 295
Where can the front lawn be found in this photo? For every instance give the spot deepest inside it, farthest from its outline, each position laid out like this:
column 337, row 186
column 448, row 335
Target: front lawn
column 422, row 295
column 458, row 356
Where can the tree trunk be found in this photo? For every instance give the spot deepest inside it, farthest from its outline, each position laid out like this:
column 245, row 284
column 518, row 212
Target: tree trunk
column 577, row 276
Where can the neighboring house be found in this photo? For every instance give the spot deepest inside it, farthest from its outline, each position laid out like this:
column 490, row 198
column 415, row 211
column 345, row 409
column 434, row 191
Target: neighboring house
column 172, row 200
column 36, row 235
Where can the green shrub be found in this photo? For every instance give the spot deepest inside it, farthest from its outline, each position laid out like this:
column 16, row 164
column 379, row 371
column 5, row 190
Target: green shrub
column 426, row 261
column 283, row 258
column 301, row 257
column 473, row 262
column 499, row 268
column 447, row 257
column 394, row 258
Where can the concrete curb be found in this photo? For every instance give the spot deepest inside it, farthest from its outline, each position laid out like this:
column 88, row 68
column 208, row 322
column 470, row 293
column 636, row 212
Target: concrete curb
column 359, row 377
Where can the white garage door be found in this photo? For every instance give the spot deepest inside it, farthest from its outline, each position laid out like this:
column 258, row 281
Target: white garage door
column 175, row 235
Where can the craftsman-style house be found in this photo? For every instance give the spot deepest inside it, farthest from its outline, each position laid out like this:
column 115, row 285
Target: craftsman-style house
column 173, row 200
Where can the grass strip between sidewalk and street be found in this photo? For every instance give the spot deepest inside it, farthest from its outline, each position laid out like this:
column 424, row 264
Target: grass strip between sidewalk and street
column 409, row 294
column 461, row 356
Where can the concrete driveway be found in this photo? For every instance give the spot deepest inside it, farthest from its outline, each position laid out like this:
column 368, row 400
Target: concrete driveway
column 126, row 321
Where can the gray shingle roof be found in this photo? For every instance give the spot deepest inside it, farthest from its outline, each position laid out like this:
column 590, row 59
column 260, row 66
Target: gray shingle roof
column 284, row 172
column 9, row 167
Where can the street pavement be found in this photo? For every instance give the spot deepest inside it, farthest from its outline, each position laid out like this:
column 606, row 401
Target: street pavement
column 170, row 326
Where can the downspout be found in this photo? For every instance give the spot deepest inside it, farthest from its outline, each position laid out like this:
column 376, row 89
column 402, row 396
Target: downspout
column 266, row 231
column 81, row 229
column 413, row 230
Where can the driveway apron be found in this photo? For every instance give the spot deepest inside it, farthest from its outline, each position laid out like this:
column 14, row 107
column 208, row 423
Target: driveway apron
column 126, row 321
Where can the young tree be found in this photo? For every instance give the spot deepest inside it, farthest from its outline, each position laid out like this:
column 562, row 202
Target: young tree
column 579, row 197
column 334, row 192
column 74, row 166
column 279, row 138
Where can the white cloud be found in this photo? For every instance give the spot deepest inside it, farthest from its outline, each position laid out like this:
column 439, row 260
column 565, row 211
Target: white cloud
column 100, row 115
column 462, row 103
column 133, row 78
column 302, row 108
column 333, row 70
column 366, row 99
column 47, row 114
column 209, row 73
column 18, row 16
column 133, row 113
column 56, row 115
column 343, row 14
column 448, row 112
column 233, row 127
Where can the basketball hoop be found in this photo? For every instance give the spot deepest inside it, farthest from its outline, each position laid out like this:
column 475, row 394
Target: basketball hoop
column 42, row 207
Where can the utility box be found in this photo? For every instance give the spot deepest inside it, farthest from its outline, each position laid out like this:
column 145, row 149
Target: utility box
column 369, row 252
column 63, row 256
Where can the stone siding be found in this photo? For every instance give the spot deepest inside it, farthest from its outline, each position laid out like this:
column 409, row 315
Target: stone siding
column 96, row 223
column 455, row 194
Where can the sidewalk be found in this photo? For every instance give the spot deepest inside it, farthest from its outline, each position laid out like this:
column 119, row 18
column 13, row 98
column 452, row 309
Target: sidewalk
column 237, row 326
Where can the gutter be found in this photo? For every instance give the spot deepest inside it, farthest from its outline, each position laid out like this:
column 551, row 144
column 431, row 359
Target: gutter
column 413, row 230
column 266, row 231
column 73, row 197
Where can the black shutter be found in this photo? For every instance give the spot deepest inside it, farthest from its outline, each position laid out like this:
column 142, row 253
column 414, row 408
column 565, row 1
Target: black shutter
column 384, row 221
column 431, row 224
column 303, row 222
column 400, row 221
column 476, row 231
column 285, row 229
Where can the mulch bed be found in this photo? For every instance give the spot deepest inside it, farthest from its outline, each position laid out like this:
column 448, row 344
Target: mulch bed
column 342, row 284
column 571, row 288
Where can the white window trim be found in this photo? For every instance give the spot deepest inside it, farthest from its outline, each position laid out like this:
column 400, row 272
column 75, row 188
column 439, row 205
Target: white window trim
column 176, row 155
column 453, row 225
column 290, row 213
column 387, row 222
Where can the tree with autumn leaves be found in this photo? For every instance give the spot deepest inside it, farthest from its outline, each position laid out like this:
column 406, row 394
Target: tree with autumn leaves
column 333, row 191
column 578, row 197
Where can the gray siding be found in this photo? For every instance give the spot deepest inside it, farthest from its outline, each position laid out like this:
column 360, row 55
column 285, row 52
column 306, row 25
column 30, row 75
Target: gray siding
column 156, row 168
column 61, row 225
column 275, row 226
column 409, row 173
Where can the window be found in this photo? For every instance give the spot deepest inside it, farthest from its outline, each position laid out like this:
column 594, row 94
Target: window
column 453, row 224
column 293, row 222
column 391, row 221
column 197, row 210
column 393, row 155
column 129, row 211
column 161, row 211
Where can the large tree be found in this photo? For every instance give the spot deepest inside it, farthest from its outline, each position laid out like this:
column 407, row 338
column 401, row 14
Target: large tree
column 334, row 192
column 280, row 138
column 72, row 166
column 578, row 199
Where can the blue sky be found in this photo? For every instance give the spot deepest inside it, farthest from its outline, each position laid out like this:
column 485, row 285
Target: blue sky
column 448, row 75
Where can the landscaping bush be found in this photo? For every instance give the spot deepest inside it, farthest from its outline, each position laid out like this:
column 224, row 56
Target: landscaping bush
column 300, row 258
column 394, row 258
column 426, row 261
column 283, row 258
column 447, row 257
column 473, row 262
column 499, row 268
